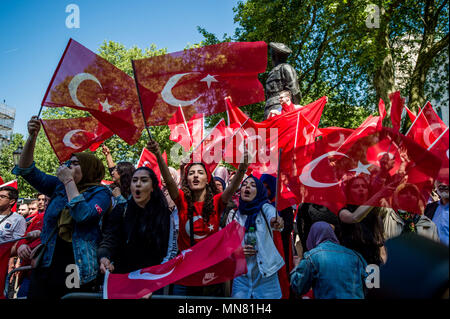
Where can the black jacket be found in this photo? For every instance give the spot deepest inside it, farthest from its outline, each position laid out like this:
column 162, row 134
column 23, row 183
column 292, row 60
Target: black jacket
column 431, row 209
column 129, row 238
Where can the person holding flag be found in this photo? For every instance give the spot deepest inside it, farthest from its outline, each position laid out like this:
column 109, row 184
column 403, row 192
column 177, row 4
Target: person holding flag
column 361, row 227
column 199, row 207
column 71, row 231
column 259, row 218
column 137, row 234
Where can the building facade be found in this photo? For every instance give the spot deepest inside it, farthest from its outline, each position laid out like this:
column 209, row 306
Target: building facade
column 7, row 117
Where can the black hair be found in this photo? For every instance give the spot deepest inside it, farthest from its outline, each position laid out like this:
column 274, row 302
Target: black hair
column 125, row 171
column 12, row 192
column 157, row 215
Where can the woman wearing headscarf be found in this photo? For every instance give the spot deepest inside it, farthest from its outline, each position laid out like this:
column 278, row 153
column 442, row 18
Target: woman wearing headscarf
column 71, row 231
column 259, row 218
column 222, row 173
column 331, row 270
column 138, row 234
column 199, row 204
column 283, row 240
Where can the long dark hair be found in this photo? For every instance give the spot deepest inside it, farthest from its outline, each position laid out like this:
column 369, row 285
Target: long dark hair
column 156, row 225
column 211, row 190
column 125, row 171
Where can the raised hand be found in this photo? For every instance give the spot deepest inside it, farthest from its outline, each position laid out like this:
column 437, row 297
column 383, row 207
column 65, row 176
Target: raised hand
column 34, row 125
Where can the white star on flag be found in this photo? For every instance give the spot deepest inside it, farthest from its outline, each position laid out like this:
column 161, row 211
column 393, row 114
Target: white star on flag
column 106, row 106
column 208, row 79
column 211, row 227
column 361, row 169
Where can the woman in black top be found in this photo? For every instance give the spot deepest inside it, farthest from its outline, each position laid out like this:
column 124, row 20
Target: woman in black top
column 137, row 233
column 361, row 227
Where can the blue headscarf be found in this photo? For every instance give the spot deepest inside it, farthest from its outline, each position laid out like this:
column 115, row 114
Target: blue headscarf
column 271, row 182
column 320, row 232
column 251, row 209
column 217, row 178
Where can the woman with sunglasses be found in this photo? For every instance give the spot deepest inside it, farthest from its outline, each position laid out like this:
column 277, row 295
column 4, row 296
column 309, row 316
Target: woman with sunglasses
column 71, row 230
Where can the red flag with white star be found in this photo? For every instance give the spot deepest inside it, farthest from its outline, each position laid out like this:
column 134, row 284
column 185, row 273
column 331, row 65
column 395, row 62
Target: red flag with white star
column 148, row 159
column 318, row 175
column 199, row 79
column 68, row 136
column 83, row 80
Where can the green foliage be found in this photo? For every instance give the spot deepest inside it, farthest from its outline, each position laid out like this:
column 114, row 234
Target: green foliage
column 337, row 55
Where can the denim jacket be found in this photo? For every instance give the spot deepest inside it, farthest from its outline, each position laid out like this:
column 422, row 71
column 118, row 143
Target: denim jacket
column 267, row 256
column 332, row 270
column 86, row 211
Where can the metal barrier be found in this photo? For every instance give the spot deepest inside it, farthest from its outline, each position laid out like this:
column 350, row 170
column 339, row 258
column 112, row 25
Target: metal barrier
column 99, row 295
column 8, row 278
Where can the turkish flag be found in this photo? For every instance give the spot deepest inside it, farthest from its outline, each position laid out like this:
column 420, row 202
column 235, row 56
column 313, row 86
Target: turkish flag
column 284, row 131
column 216, row 259
column 440, row 149
column 148, row 159
column 411, row 115
column 5, row 253
column 388, row 148
column 318, row 175
column 85, row 81
column 186, row 133
column 427, row 127
column 371, row 125
column 382, row 108
column 199, row 79
column 12, row 183
column 397, row 104
column 336, row 136
column 211, row 150
column 68, row 136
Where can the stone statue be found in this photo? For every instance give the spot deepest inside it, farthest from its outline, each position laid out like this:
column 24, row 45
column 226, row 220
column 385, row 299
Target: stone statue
column 282, row 77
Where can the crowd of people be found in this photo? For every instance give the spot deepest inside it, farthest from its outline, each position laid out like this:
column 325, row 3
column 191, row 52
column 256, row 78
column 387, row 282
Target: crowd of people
column 305, row 251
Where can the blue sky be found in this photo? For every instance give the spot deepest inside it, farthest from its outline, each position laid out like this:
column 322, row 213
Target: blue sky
column 34, row 34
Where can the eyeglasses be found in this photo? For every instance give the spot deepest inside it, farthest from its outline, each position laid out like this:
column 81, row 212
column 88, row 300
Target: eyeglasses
column 4, row 197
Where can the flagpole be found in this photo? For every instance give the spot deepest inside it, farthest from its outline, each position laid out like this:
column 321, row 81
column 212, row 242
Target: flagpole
column 421, row 110
column 440, row 136
column 185, row 123
column 205, row 138
column 40, row 109
column 296, row 130
column 278, row 181
column 140, row 102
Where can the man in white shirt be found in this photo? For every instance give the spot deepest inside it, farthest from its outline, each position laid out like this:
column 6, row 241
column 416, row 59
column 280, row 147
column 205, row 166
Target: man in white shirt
column 12, row 225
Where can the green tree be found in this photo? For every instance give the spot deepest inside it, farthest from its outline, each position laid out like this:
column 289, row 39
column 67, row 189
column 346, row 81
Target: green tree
column 341, row 49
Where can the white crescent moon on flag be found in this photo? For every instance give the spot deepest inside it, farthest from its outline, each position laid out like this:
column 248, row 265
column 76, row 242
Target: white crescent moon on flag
column 167, row 95
column 67, row 138
column 338, row 143
column 306, row 178
column 187, row 228
column 76, row 81
column 145, row 164
column 147, row 275
column 427, row 132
